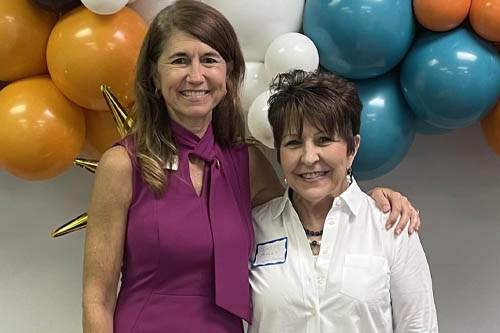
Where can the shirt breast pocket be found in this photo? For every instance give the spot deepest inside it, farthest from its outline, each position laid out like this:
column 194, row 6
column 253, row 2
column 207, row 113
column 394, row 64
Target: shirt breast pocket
column 365, row 277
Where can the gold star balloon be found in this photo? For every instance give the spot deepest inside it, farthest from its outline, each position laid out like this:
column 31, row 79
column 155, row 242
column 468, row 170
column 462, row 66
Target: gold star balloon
column 123, row 124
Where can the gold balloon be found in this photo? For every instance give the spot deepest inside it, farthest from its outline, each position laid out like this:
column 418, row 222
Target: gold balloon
column 86, row 50
column 24, row 31
column 41, row 131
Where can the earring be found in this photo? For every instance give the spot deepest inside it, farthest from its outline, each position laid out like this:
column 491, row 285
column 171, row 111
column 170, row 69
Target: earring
column 349, row 175
column 286, row 183
column 157, row 92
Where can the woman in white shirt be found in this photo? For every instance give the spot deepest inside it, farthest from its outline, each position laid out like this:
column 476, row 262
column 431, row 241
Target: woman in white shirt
column 323, row 260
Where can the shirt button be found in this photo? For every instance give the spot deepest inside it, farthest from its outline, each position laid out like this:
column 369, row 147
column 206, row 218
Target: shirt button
column 313, row 312
column 321, row 280
column 325, row 251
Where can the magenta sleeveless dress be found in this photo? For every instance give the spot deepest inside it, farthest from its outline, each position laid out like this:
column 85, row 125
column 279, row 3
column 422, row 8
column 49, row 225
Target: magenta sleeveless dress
column 185, row 258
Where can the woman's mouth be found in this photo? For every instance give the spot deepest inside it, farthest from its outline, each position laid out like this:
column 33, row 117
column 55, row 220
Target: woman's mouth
column 194, row 93
column 313, row 175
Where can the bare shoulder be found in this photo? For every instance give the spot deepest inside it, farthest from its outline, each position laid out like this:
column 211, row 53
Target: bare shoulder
column 115, row 159
column 113, row 178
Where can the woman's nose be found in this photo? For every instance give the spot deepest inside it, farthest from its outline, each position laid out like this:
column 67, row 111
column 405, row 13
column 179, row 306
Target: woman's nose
column 310, row 154
column 195, row 73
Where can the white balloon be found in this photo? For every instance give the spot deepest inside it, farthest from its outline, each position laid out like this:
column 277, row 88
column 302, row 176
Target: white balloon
column 104, row 7
column 257, row 121
column 291, row 51
column 256, row 82
column 258, row 22
column 148, row 9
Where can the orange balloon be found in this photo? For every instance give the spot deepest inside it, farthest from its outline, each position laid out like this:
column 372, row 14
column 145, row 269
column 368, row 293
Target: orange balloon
column 441, row 15
column 101, row 133
column 24, row 31
column 491, row 128
column 485, row 18
column 41, row 131
column 86, row 50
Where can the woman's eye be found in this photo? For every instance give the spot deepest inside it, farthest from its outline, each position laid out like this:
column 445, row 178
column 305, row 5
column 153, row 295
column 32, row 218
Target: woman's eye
column 324, row 139
column 210, row 60
column 179, row 61
column 290, row 143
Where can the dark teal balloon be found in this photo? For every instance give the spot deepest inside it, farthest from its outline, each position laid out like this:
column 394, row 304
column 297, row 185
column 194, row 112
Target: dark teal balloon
column 451, row 79
column 360, row 39
column 425, row 128
column 387, row 127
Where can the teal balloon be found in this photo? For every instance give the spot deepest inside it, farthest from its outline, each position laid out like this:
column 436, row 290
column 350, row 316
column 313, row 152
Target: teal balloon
column 425, row 128
column 360, row 39
column 387, row 127
column 451, row 79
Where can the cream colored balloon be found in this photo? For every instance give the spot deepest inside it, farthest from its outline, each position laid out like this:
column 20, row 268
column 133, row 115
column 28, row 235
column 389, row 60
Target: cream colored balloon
column 257, row 120
column 256, row 82
column 104, row 7
column 258, row 22
column 149, row 8
column 291, row 51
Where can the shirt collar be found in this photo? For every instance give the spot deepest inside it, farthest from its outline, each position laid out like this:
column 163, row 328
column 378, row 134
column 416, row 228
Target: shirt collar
column 351, row 197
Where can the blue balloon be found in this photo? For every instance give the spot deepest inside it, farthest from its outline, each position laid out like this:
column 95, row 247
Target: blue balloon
column 360, row 39
column 451, row 79
column 387, row 127
column 425, row 128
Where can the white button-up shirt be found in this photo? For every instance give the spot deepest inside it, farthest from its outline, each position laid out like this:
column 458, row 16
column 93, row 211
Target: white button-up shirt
column 365, row 278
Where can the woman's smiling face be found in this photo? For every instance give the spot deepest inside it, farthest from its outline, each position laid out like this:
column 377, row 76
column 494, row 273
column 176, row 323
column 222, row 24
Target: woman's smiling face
column 315, row 164
column 191, row 76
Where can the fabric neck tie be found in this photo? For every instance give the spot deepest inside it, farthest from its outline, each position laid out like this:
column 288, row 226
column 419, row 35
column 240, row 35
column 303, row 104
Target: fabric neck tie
column 228, row 225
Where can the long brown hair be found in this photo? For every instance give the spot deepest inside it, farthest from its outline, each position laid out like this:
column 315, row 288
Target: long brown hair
column 154, row 144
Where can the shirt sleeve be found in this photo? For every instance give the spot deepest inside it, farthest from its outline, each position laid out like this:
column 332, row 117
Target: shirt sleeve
column 413, row 308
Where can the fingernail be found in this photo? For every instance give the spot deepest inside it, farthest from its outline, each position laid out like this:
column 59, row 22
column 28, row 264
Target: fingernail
column 398, row 231
column 388, row 226
column 411, row 230
column 386, row 208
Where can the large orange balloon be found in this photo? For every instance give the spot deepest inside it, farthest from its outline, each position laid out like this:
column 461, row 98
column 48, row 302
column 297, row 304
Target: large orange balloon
column 86, row 50
column 491, row 128
column 441, row 15
column 485, row 18
column 101, row 132
column 41, row 131
column 24, row 31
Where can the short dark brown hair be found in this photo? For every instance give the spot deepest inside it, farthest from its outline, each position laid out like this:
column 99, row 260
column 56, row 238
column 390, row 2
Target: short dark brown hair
column 325, row 100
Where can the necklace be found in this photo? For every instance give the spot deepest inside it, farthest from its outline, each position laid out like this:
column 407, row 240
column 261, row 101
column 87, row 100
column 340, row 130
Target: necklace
column 313, row 233
column 314, row 243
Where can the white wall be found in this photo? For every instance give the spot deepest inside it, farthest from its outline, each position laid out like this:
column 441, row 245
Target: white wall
column 453, row 179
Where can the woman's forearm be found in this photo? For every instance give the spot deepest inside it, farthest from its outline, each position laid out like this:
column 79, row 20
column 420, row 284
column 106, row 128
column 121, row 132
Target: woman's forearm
column 97, row 318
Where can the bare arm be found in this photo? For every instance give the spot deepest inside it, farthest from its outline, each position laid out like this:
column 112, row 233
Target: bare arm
column 105, row 238
column 264, row 184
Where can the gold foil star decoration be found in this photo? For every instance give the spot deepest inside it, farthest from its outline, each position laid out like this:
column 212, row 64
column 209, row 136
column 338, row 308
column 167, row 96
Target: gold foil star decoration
column 123, row 124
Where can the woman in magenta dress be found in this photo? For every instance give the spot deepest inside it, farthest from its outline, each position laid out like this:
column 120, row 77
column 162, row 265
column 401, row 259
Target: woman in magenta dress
column 171, row 203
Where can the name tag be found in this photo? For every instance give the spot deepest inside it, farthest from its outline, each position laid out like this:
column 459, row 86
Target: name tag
column 271, row 253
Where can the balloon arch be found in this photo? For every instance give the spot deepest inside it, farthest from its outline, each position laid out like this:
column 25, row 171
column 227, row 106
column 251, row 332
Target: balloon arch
column 422, row 66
